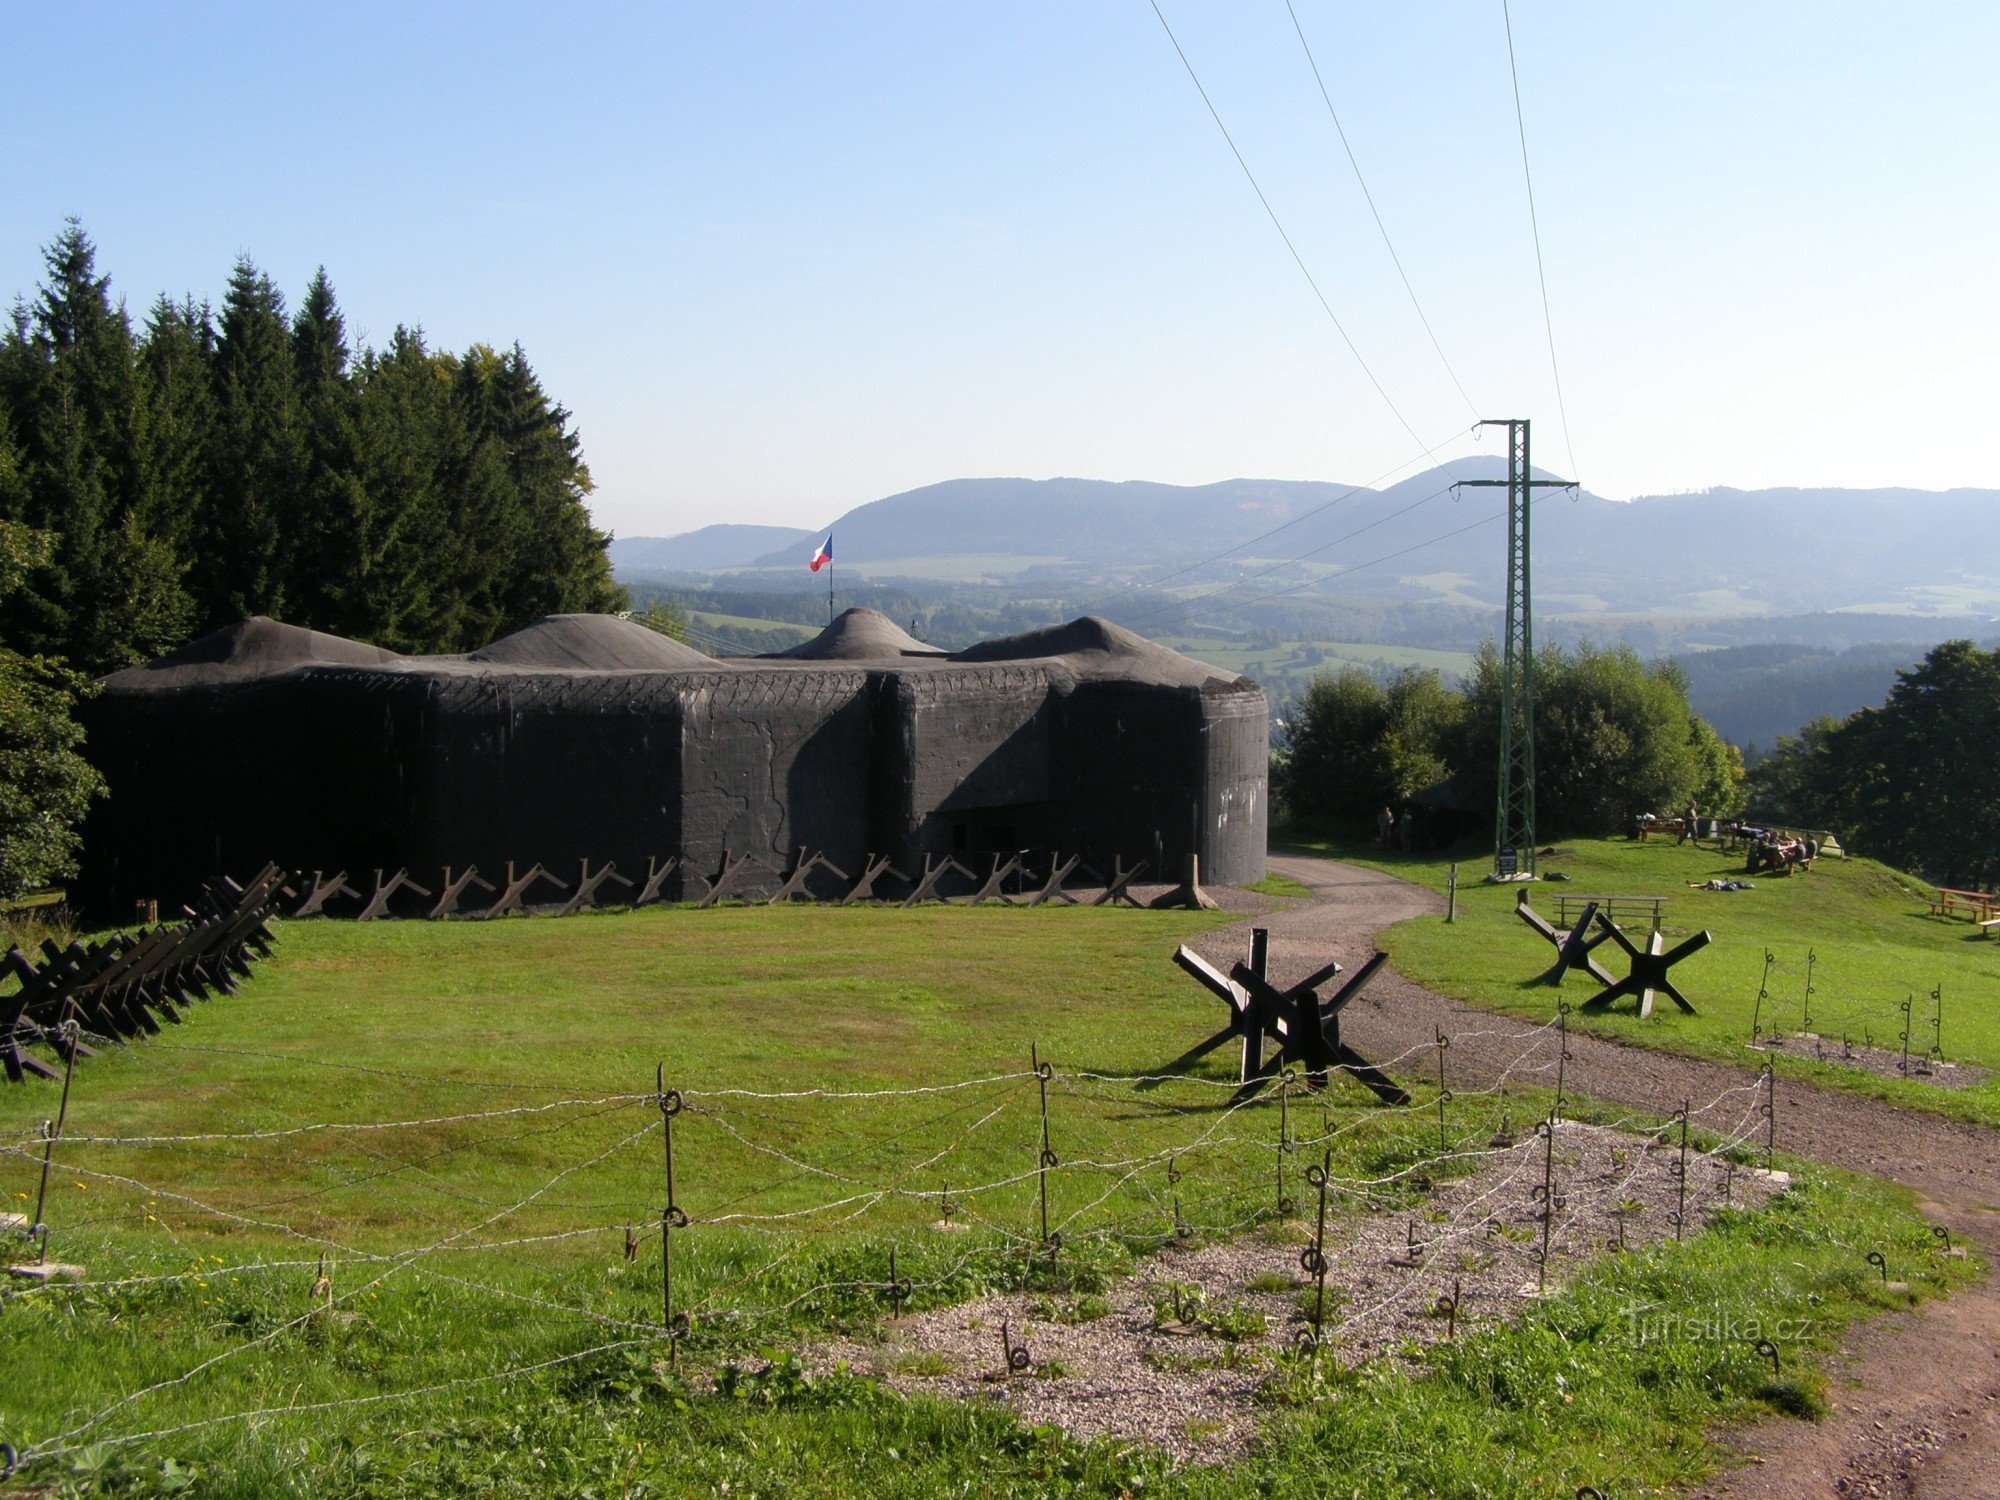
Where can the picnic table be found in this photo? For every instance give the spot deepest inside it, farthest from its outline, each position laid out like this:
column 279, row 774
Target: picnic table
column 1569, row 908
column 1979, row 905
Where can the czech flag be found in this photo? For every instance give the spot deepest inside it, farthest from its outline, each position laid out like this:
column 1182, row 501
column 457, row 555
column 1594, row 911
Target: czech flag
column 824, row 556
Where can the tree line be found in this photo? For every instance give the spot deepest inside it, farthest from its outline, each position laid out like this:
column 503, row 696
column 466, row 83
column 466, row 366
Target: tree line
column 163, row 479
column 1913, row 782
column 1614, row 737
column 213, row 463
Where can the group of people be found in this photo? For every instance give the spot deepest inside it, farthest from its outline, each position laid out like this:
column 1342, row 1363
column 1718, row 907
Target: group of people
column 1686, row 826
column 1774, row 850
column 1392, row 832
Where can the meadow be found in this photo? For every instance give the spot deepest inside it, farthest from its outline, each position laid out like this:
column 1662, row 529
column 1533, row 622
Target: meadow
column 1866, row 929
column 387, row 1222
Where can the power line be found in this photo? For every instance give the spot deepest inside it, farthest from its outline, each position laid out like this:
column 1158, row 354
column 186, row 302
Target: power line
column 1372, row 562
column 1169, row 605
column 1534, row 224
column 1304, row 515
column 1278, row 225
column 1347, row 146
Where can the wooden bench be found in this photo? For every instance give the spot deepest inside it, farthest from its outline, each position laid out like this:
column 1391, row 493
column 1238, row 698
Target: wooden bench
column 1988, row 925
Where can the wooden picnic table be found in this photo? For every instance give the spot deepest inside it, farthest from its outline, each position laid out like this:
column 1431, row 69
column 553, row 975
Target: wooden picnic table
column 1979, row 905
column 1569, row 908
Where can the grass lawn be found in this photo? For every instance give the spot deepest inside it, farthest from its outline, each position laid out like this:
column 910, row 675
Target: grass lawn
column 455, row 1123
column 1867, row 927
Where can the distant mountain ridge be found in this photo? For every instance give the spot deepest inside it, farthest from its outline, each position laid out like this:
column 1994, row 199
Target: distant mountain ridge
column 712, row 548
column 1721, row 553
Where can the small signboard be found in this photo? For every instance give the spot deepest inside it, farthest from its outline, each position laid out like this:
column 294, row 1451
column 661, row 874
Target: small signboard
column 1507, row 862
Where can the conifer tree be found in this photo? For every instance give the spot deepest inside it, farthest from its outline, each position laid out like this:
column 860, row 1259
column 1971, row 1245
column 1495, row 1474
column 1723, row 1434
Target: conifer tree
column 109, row 592
column 560, row 564
column 177, row 360
column 325, row 579
column 251, row 508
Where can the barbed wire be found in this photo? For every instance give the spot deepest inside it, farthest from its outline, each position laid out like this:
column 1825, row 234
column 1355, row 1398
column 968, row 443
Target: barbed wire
column 764, row 1125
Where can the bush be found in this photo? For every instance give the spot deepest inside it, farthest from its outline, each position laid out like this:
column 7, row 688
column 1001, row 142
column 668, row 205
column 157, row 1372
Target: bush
column 45, row 784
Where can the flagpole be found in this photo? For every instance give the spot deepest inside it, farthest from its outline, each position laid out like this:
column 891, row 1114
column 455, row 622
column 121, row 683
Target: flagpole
column 829, row 591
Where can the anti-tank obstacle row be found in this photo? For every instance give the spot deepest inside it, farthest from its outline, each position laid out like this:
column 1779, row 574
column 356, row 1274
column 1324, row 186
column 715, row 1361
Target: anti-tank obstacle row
column 1023, row 878
column 123, row 987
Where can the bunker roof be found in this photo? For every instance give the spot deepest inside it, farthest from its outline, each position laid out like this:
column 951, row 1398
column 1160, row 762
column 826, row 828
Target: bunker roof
column 1086, row 649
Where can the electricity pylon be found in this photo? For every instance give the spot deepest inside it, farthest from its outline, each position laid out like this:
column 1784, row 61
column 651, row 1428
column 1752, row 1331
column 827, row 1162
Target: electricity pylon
column 1514, row 818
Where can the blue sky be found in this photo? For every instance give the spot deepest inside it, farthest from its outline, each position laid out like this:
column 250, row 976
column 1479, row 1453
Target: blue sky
column 782, row 259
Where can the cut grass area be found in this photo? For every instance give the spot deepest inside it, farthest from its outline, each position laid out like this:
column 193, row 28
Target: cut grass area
column 492, row 1235
column 1868, row 928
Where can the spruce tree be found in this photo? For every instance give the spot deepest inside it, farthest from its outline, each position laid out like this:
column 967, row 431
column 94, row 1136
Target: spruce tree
column 250, row 512
column 110, row 590
column 439, row 505
column 326, row 588
column 177, row 359
column 559, row 562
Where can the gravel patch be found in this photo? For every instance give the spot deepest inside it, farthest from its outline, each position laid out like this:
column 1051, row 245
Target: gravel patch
column 1845, row 1052
column 1177, row 1354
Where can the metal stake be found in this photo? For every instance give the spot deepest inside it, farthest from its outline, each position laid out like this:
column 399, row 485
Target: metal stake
column 1547, row 1130
column 1563, row 1052
column 1312, row 1259
column 1444, row 1093
column 1284, row 1200
column 71, row 1035
column 672, row 1217
column 1043, row 1073
column 1680, row 1170
column 1763, row 993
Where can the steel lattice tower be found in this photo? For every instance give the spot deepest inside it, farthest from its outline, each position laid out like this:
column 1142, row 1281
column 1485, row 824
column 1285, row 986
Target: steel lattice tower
column 1514, row 813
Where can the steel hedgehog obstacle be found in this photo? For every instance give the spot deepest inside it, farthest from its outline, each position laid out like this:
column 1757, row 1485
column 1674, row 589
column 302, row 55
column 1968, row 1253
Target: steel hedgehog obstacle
column 587, row 738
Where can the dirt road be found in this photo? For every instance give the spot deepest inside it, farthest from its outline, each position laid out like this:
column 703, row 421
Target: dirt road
column 1916, row 1396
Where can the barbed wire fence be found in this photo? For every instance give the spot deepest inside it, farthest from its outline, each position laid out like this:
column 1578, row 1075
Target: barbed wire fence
column 1803, row 1004
column 704, row 1221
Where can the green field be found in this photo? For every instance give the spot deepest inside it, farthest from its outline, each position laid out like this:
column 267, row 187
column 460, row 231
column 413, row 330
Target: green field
column 704, row 619
column 460, row 1118
column 1293, row 663
column 1868, row 929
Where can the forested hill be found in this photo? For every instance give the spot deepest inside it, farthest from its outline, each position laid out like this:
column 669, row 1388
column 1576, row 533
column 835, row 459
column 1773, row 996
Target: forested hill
column 1754, row 694
column 1716, row 553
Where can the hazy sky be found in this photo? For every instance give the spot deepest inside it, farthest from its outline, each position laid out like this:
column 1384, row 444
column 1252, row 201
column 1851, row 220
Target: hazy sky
column 781, row 259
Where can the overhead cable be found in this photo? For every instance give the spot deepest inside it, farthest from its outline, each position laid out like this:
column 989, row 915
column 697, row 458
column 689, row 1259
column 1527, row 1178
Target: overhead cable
column 1347, row 146
column 1534, row 224
column 1278, row 224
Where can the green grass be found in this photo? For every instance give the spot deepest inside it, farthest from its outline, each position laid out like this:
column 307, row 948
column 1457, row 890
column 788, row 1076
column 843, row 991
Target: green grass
column 708, row 619
column 1275, row 884
column 1868, row 928
column 1288, row 658
column 415, row 1022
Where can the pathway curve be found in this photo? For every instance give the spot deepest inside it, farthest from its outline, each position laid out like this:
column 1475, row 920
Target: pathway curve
column 1916, row 1398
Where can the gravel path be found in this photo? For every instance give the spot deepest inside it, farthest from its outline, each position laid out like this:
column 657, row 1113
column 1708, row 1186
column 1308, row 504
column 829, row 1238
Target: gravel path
column 1916, row 1404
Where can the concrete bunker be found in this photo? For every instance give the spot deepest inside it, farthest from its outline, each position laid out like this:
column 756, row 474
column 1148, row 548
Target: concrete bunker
column 590, row 737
